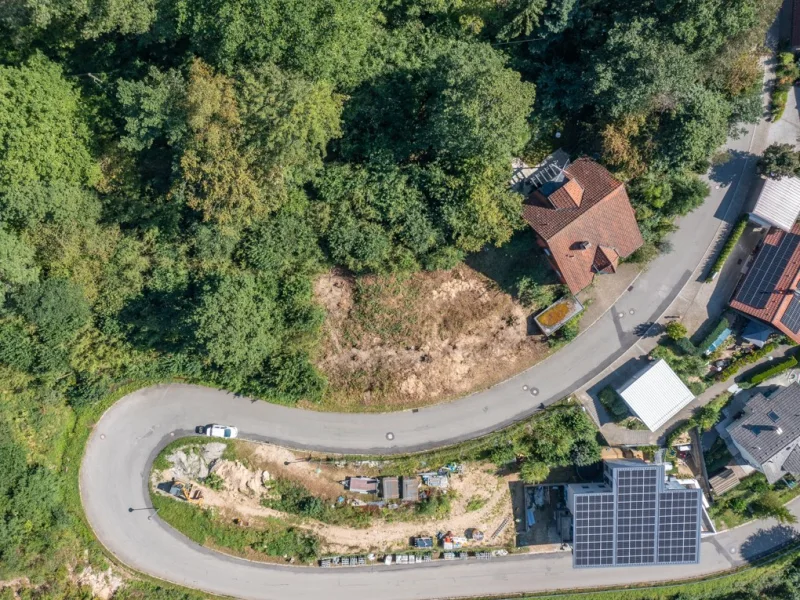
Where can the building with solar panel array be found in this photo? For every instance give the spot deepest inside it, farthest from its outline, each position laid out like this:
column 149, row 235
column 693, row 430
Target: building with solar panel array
column 635, row 517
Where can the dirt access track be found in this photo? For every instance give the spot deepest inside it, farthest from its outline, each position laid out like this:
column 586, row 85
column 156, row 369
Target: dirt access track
column 243, row 491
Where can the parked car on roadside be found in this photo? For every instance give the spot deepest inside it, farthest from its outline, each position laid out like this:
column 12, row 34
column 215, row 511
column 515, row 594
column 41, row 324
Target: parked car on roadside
column 222, row 431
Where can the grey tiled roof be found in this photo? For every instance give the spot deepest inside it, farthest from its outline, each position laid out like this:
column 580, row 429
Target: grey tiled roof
column 792, row 462
column 757, row 431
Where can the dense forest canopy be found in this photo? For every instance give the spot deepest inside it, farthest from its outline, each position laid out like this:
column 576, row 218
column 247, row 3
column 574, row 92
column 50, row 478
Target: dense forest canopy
column 175, row 173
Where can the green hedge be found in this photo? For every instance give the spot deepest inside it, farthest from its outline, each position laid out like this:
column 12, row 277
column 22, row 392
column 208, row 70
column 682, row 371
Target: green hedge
column 677, row 432
column 613, row 403
column 747, row 359
column 778, row 368
column 779, row 98
column 730, row 244
column 687, row 347
column 721, row 326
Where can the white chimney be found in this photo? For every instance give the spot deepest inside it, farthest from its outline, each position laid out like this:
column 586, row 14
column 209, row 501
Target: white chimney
column 778, row 430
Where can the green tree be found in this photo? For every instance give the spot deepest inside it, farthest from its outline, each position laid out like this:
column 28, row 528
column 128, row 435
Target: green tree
column 638, row 67
column 57, row 307
column 533, row 294
column 534, row 472
column 706, row 417
column 287, row 122
column 676, row 330
column 43, row 135
column 284, row 244
column 24, row 206
column 778, row 161
column 690, row 132
column 769, row 504
column 91, row 18
column 479, row 107
column 292, row 376
column 154, row 109
column 379, row 218
column 322, row 39
column 688, row 192
column 237, row 323
column 217, row 180
column 478, row 208
column 17, row 264
column 585, row 451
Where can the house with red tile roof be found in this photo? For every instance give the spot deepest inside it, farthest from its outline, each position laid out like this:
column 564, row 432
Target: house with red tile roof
column 584, row 221
column 769, row 291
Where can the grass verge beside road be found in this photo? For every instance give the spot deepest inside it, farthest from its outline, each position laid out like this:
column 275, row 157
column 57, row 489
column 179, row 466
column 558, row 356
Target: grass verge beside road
column 775, row 577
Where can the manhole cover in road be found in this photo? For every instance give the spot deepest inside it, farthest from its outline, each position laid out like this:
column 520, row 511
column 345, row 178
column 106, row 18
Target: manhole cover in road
column 390, row 436
column 102, row 436
column 534, row 391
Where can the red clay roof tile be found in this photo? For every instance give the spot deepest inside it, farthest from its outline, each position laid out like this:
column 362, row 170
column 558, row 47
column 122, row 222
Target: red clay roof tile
column 605, row 217
column 780, row 296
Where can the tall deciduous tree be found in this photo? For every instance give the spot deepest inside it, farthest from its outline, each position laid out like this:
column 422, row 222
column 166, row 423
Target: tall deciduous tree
column 478, row 109
column 237, row 323
column 217, row 180
column 43, row 135
column 287, row 122
column 57, row 307
column 779, row 161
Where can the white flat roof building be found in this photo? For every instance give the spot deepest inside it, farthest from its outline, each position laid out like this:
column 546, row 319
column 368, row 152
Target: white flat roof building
column 655, row 395
column 778, row 203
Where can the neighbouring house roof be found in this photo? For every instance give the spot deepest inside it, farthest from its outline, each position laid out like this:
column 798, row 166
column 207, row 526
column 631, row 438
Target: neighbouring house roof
column 656, row 394
column 770, row 432
column 795, row 37
column 778, row 203
column 584, row 209
column 769, row 290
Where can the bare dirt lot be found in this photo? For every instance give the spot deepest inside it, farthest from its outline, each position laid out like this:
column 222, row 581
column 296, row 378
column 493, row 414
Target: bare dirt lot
column 480, row 499
column 393, row 342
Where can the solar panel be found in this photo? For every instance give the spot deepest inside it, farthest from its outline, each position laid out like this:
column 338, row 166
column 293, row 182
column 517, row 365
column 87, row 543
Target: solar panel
column 637, row 502
column 766, row 271
column 679, row 526
column 640, row 523
column 593, row 543
column 791, row 318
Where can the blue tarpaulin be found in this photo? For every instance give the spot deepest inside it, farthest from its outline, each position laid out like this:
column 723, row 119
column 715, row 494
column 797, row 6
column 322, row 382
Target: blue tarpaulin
column 719, row 341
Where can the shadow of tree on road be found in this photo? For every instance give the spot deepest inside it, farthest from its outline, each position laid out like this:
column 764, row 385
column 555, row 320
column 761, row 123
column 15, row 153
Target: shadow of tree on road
column 765, row 541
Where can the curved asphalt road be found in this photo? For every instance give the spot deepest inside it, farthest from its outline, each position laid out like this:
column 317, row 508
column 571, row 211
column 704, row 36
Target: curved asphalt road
column 114, row 476
column 119, row 453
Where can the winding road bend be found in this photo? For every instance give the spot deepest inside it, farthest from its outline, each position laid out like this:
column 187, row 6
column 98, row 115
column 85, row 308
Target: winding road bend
column 119, row 453
column 114, row 476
